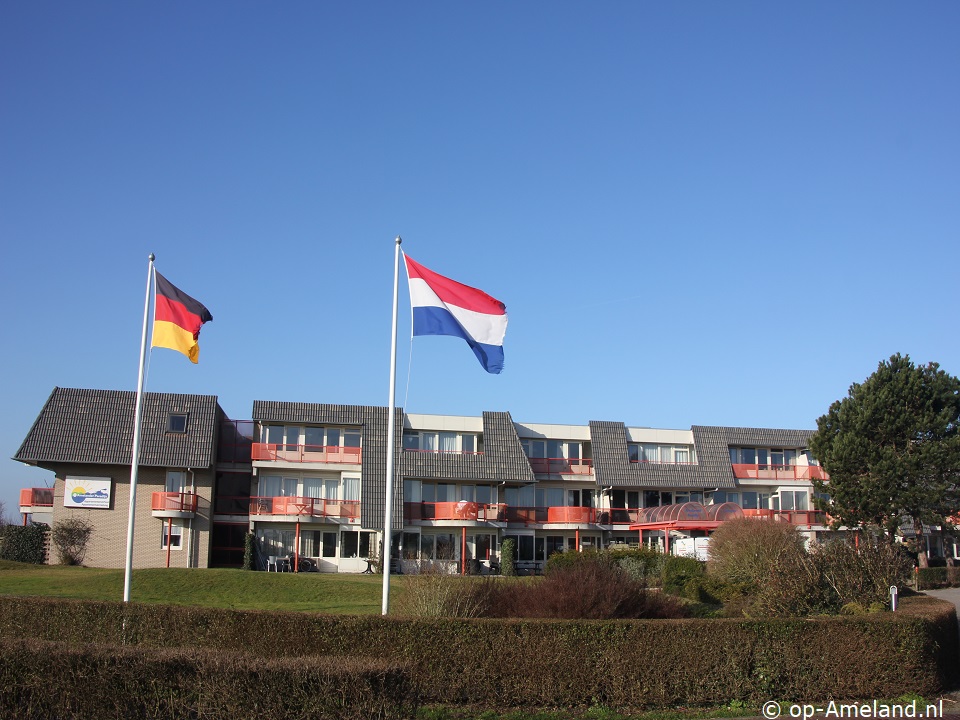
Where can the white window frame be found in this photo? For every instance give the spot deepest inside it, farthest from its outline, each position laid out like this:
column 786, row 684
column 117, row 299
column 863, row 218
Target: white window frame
column 176, row 536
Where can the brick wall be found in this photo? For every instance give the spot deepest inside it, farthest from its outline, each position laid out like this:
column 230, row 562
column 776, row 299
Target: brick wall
column 108, row 543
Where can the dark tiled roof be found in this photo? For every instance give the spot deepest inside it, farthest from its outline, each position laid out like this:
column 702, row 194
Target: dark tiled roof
column 612, row 464
column 96, row 426
column 503, row 458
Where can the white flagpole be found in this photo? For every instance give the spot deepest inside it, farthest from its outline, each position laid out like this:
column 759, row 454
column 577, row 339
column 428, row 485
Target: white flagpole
column 391, row 413
column 135, row 458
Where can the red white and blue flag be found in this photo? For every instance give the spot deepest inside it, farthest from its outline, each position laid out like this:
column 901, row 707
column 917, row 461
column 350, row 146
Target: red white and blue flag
column 442, row 306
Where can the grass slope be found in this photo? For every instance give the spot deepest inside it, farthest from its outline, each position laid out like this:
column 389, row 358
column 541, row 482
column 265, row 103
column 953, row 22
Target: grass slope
column 235, row 589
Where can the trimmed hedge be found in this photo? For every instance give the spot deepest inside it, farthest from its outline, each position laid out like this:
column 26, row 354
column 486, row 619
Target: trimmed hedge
column 24, row 543
column 929, row 578
column 41, row 679
column 557, row 663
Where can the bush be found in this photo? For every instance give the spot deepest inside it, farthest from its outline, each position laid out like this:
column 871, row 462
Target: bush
column 24, row 543
column 929, row 578
column 249, row 543
column 194, row 683
column 679, row 572
column 746, row 550
column 862, row 574
column 434, row 593
column 508, row 556
column 588, row 585
column 71, row 537
column 571, row 664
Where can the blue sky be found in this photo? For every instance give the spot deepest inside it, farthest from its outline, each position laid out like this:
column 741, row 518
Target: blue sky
column 696, row 213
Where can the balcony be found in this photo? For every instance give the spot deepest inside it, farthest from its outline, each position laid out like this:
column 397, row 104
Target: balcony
column 807, row 518
column 174, row 504
column 306, row 453
column 562, row 466
column 779, row 472
column 461, row 510
column 31, row 498
column 304, row 508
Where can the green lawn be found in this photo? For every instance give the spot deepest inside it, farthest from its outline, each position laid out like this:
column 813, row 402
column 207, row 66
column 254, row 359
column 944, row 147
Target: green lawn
column 236, row 589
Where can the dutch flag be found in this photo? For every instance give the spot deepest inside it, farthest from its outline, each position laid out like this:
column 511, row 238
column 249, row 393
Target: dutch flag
column 442, row 306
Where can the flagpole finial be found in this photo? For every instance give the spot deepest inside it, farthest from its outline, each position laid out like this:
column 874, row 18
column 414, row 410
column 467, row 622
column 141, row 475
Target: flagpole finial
column 399, row 240
column 151, row 257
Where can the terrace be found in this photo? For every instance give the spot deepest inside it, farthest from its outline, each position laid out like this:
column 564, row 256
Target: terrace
column 788, row 473
column 300, row 508
column 174, row 504
column 562, row 466
column 306, row 453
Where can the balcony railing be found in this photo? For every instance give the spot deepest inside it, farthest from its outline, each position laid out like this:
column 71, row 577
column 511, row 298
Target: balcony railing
column 797, row 517
column 305, row 507
column 36, row 497
column 306, row 453
column 461, row 510
column 497, row 512
column 779, row 472
column 174, row 502
column 562, row 466
column 443, row 452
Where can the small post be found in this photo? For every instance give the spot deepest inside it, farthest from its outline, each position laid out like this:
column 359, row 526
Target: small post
column 893, row 598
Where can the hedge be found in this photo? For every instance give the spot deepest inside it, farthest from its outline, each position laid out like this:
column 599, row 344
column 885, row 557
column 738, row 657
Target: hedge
column 937, row 577
column 556, row 663
column 41, row 679
column 24, row 543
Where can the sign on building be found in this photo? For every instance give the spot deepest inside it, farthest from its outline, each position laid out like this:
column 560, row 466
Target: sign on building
column 87, row 492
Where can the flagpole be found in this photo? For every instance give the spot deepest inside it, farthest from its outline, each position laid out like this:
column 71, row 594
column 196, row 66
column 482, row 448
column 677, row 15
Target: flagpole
column 391, row 414
column 135, row 457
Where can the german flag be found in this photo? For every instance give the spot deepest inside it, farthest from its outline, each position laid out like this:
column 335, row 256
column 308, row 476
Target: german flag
column 177, row 318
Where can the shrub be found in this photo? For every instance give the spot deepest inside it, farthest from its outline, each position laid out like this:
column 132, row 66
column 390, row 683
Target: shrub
column 746, row 550
column 862, row 574
column 71, row 537
column 508, row 556
column 434, row 593
column 931, row 577
column 589, row 586
column 679, row 572
column 24, row 543
column 249, row 543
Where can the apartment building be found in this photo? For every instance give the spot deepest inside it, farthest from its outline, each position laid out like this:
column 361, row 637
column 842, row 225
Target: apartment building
column 308, row 480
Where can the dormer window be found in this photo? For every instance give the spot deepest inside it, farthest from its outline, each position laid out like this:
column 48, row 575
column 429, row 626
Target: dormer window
column 177, row 423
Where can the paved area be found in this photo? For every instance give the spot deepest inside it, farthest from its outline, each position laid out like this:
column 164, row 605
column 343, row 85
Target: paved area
column 949, row 594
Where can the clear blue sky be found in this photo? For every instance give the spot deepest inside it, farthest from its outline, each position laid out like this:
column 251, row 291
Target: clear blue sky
column 696, row 213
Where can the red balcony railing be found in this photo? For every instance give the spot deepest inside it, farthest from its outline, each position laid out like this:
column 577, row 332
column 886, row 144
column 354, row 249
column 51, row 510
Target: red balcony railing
column 305, row 507
column 36, row 497
column 306, row 453
column 443, row 452
column 562, row 466
column 174, row 502
column 779, row 472
column 461, row 510
column 797, row 517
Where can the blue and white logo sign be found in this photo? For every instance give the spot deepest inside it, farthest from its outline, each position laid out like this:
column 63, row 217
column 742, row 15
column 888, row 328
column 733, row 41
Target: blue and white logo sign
column 87, row 492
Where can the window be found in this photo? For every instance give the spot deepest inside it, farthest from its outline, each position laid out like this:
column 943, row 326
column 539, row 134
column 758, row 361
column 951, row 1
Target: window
column 177, row 423
column 658, row 453
column 351, row 487
column 276, row 486
column 174, row 532
column 441, row 442
column 524, row 547
column 313, row 439
column 791, row 500
column 329, row 543
column 349, row 543
column 538, row 449
column 176, row 481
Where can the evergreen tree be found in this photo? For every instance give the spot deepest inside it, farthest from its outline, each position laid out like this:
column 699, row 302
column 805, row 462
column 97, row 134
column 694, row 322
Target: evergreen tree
column 892, row 450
